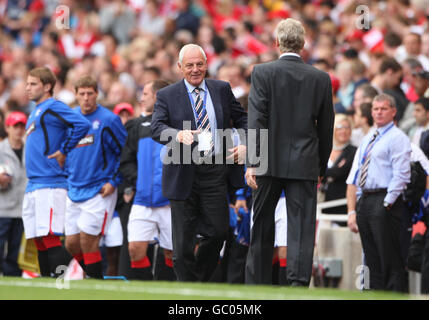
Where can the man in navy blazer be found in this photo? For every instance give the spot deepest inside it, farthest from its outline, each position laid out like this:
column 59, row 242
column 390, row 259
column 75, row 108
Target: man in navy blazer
column 190, row 117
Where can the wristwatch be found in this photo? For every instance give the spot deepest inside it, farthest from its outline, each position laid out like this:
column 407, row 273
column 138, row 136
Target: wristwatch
column 387, row 205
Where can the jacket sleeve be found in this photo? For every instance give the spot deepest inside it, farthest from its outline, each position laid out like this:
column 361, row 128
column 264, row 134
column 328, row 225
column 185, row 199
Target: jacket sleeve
column 325, row 127
column 341, row 172
column 128, row 164
column 160, row 125
column 238, row 115
column 115, row 139
column 76, row 125
column 258, row 114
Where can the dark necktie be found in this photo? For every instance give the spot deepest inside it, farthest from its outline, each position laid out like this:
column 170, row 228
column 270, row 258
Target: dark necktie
column 364, row 168
column 202, row 118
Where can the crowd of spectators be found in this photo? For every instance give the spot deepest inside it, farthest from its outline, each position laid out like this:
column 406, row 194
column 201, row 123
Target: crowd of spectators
column 124, row 44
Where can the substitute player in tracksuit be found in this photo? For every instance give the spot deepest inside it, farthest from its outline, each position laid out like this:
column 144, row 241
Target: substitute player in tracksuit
column 93, row 167
column 53, row 130
column 150, row 215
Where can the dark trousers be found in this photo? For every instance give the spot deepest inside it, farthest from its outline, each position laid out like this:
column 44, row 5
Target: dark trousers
column 301, row 214
column 10, row 234
column 124, row 256
column 379, row 231
column 205, row 213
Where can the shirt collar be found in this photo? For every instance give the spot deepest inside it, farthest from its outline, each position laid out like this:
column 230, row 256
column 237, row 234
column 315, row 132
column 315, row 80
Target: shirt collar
column 191, row 88
column 289, row 54
column 382, row 129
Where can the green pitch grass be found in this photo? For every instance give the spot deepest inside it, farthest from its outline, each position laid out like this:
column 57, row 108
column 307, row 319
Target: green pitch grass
column 48, row 289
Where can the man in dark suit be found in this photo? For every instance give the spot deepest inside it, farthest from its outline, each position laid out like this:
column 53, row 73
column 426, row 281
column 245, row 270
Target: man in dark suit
column 293, row 102
column 189, row 117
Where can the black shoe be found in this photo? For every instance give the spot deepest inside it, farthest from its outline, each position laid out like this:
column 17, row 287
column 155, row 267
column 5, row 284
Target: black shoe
column 283, row 276
column 297, row 284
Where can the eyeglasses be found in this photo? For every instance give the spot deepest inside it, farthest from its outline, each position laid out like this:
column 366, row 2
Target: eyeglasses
column 340, row 126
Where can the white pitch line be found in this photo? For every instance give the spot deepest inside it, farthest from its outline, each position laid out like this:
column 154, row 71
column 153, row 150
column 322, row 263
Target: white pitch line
column 206, row 293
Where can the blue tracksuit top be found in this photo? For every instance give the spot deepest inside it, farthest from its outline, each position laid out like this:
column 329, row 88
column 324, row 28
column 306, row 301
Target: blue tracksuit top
column 149, row 176
column 95, row 159
column 52, row 126
column 141, row 164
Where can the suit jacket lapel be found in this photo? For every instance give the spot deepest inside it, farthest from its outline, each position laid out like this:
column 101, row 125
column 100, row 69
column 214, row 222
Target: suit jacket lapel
column 215, row 96
column 183, row 100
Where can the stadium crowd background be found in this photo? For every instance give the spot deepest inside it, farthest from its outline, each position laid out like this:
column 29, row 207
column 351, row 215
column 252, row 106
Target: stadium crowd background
column 125, row 44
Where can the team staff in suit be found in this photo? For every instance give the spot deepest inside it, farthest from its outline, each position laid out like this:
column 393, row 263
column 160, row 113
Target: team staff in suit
column 293, row 101
column 379, row 174
column 198, row 190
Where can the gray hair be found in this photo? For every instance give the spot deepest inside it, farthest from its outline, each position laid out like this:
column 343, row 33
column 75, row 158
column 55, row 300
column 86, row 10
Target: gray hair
column 385, row 97
column 190, row 46
column 290, row 35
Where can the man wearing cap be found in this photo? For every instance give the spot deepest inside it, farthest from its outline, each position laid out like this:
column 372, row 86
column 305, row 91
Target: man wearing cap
column 125, row 111
column 12, row 188
column 53, row 130
column 93, row 167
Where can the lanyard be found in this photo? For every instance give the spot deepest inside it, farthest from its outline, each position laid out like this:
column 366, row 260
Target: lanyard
column 365, row 155
column 198, row 120
column 367, row 151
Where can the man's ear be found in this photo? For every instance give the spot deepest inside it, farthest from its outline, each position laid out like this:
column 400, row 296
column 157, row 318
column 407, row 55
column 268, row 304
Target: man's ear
column 47, row 87
column 277, row 42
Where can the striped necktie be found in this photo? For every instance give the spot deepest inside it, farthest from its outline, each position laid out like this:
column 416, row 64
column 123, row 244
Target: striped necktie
column 364, row 168
column 202, row 118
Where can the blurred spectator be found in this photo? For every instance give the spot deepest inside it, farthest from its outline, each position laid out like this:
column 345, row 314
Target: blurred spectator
column 3, row 133
column 344, row 73
column 363, row 122
column 339, row 164
column 387, row 80
column 150, row 21
column 419, row 79
column 12, row 187
column 322, row 64
column 233, row 73
column 125, row 111
column 421, row 83
column 392, row 41
column 165, row 63
column 186, row 19
column 338, row 106
column 425, row 44
column 117, row 93
column 359, row 73
column 410, row 66
column 363, row 93
column 105, row 81
column 17, row 94
column 150, row 74
column 411, row 48
column 421, row 116
column 116, row 17
column 4, row 92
